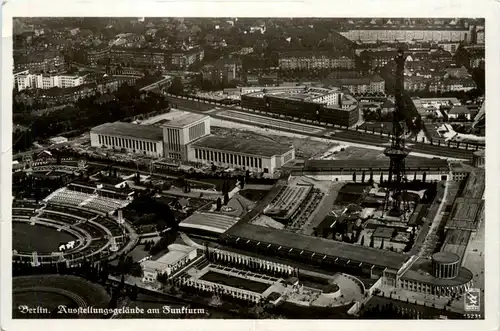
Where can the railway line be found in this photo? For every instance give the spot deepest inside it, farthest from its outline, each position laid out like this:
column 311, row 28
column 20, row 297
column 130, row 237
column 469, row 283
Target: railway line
column 343, row 135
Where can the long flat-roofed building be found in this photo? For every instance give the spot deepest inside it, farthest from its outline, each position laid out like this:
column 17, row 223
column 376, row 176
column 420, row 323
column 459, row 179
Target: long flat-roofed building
column 397, row 269
column 187, row 138
column 253, row 155
column 434, row 169
column 133, row 138
column 465, row 214
column 312, row 103
column 406, row 32
column 208, row 223
column 305, row 60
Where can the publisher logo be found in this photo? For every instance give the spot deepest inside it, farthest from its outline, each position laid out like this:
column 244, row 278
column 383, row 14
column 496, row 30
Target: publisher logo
column 472, row 299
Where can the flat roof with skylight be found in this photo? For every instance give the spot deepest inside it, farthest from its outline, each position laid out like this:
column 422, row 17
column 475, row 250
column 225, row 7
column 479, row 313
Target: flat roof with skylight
column 242, row 146
column 185, row 120
column 131, row 130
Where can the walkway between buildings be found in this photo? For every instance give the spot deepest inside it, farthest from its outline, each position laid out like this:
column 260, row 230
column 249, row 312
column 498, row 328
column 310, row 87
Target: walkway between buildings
column 430, row 241
column 133, row 236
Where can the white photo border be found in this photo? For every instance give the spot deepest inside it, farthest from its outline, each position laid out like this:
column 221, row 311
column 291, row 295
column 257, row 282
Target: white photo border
column 489, row 9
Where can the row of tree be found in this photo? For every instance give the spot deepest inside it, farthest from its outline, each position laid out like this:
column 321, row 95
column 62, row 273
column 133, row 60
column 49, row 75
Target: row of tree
column 86, row 113
column 145, row 210
column 95, row 272
column 387, row 311
column 381, row 180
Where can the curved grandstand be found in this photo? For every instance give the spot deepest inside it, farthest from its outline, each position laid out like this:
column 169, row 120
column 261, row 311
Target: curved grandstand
column 96, row 198
column 95, row 235
column 76, row 221
column 53, row 292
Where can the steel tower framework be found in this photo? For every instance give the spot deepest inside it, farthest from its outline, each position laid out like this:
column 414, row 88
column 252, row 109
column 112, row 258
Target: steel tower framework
column 397, row 152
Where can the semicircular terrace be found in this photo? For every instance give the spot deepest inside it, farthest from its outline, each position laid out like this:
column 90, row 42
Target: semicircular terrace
column 96, row 236
column 54, row 291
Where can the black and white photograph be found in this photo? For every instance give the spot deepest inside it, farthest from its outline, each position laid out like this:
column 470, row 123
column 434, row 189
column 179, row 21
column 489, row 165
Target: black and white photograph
column 252, row 167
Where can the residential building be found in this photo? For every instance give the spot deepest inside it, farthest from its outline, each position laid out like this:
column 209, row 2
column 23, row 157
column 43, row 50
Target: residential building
column 68, row 94
column 112, row 83
column 105, row 98
column 460, row 72
column 449, row 85
column 252, row 79
column 244, row 51
column 449, row 46
column 416, row 83
column 480, row 36
column 223, row 71
column 124, row 71
column 388, row 106
column 470, row 56
column 41, row 81
column 95, row 55
column 405, row 32
column 305, row 60
column 142, row 57
column 372, row 84
column 51, row 61
column 375, row 48
column 441, row 55
column 19, row 73
column 183, row 59
column 376, row 59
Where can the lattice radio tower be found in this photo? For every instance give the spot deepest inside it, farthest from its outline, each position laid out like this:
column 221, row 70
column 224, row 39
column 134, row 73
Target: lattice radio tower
column 397, row 152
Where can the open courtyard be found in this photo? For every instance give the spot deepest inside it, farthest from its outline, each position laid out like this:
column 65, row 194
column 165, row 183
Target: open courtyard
column 237, row 282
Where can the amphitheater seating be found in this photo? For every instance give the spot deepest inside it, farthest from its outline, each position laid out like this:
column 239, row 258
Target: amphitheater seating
column 69, row 197
column 87, row 292
column 25, row 204
column 87, row 200
column 96, row 244
column 104, row 204
column 22, row 212
column 64, row 207
column 290, row 198
column 93, row 230
column 111, row 225
column 70, row 210
column 308, row 207
column 59, row 217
